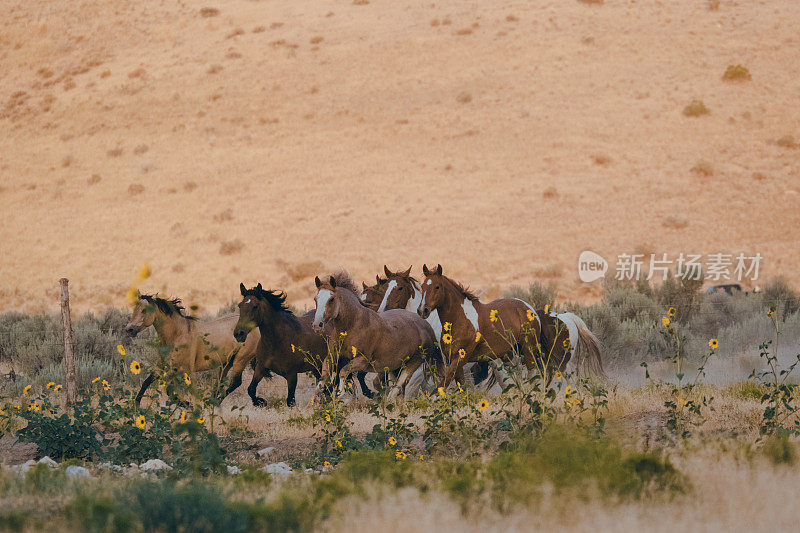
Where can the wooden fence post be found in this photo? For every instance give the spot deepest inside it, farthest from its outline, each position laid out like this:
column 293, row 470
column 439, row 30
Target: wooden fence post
column 69, row 354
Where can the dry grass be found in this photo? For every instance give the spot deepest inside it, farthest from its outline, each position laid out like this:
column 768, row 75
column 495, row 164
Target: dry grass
column 696, row 108
column 736, row 73
column 703, row 168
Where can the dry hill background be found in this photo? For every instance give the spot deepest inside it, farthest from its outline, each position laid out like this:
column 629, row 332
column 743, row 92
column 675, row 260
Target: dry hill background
column 268, row 141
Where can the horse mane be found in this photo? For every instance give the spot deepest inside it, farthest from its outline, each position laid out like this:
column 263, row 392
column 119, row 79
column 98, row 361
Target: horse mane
column 166, row 305
column 344, row 281
column 465, row 291
column 276, row 299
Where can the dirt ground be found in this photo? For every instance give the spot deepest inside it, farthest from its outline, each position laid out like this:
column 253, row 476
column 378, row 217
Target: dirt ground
column 271, row 141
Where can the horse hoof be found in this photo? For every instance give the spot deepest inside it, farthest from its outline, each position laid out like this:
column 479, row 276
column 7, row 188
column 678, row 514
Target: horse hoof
column 291, row 402
column 259, row 402
column 369, row 394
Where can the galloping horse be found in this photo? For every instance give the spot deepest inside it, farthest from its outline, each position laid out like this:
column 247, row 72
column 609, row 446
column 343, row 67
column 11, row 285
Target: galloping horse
column 379, row 342
column 196, row 345
column 478, row 331
column 288, row 344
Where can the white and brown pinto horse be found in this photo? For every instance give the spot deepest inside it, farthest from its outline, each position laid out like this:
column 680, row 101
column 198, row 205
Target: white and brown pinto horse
column 480, row 332
column 391, row 341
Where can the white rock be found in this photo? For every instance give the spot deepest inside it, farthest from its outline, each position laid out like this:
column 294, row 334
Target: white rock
column 23, row 468
column 278, row 469
column 49, row 462
column 234, row 470
column 154, row 465
column 264, row 451
column 76, row 471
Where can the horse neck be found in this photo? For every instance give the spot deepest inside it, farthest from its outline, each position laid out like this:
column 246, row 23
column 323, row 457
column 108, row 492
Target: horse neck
column 413, row 301
column 453, row 308
column 351, row 313
column 274, row 324
column 170, row 328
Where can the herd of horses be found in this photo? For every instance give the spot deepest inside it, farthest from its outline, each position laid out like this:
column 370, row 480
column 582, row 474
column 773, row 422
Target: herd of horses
column 411, row 334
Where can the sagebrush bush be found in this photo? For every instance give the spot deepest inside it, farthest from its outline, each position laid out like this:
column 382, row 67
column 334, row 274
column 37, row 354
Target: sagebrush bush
column 537, row 294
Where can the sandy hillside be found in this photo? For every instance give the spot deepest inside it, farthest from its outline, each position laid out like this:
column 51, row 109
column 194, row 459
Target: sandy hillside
column 268, row 141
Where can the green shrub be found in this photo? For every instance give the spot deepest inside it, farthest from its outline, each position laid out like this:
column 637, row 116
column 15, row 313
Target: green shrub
column 576, row 464
column 537, row 294
column 14, row 520
column 780, row 450
column 98, row 514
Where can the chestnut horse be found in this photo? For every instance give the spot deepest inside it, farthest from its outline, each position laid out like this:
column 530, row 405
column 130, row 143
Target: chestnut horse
column 367, row 340
column 196, row 345
column 479, row 332
column 288, row 346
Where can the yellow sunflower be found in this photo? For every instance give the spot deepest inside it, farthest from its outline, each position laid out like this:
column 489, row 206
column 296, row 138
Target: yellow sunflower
column 566, row 343
column 343, row 333
column 447, row 326
column 665, row 321
column 441, row 392
column 136, row 367
column 161, row 383
column 201, row 420
column 95, row 380
column 34, row 406
column 326, row 463
column 106, row 385
column 140, row 422
column 292, row 348
column 27, row 389
column 682, row 401
column 58, row 387
column 483, row 405
column 447, row 338
column 144, row 272
column 547, row 309
column 400, row 456
column 558, row 375
column 339, row 443
column 713, row 344
column 355, row 351
column 770, row 311
column 187, row 379
column 477, row 336
column 182, row 418
column 531, row 315
column 392, row 441
column 121, row 349
column 568, row 390
column 327, row 418
column 493, row 315
column 461, row 353
column 50, row 385
column 671, row 311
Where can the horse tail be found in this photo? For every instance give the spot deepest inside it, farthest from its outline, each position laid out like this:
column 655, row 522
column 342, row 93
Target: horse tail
column 588, row 361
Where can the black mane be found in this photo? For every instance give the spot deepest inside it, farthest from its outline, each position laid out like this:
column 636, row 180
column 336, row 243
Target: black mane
column 167, row 306
column 276, row 299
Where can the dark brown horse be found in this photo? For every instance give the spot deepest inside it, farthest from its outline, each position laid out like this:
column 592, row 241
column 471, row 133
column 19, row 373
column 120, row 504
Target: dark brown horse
column 370, row 341
column 288, row 345
column 474, row 331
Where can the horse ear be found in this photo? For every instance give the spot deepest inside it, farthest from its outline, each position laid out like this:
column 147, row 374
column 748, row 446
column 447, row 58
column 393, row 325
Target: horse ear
column 364, row 285
column 425, row 270
column 317, row 281
column 407, row 273
column 259, row 287
column 242, row 288
column 439, row 269
column 387, row 271
column 378, row 279
column 333, row 282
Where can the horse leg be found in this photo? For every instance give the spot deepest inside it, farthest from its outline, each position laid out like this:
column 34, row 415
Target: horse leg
column 404, row 376
column 364, row 389
column 258, row 374
column 455, row 365
column 291, row 383
column 148, row 380
column 480, row 371
column 236, row 381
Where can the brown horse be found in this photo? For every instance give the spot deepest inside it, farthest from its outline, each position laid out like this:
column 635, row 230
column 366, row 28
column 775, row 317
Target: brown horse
column 195, row 345
column 379, row 342
column 476, row 331
column 288, row 344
